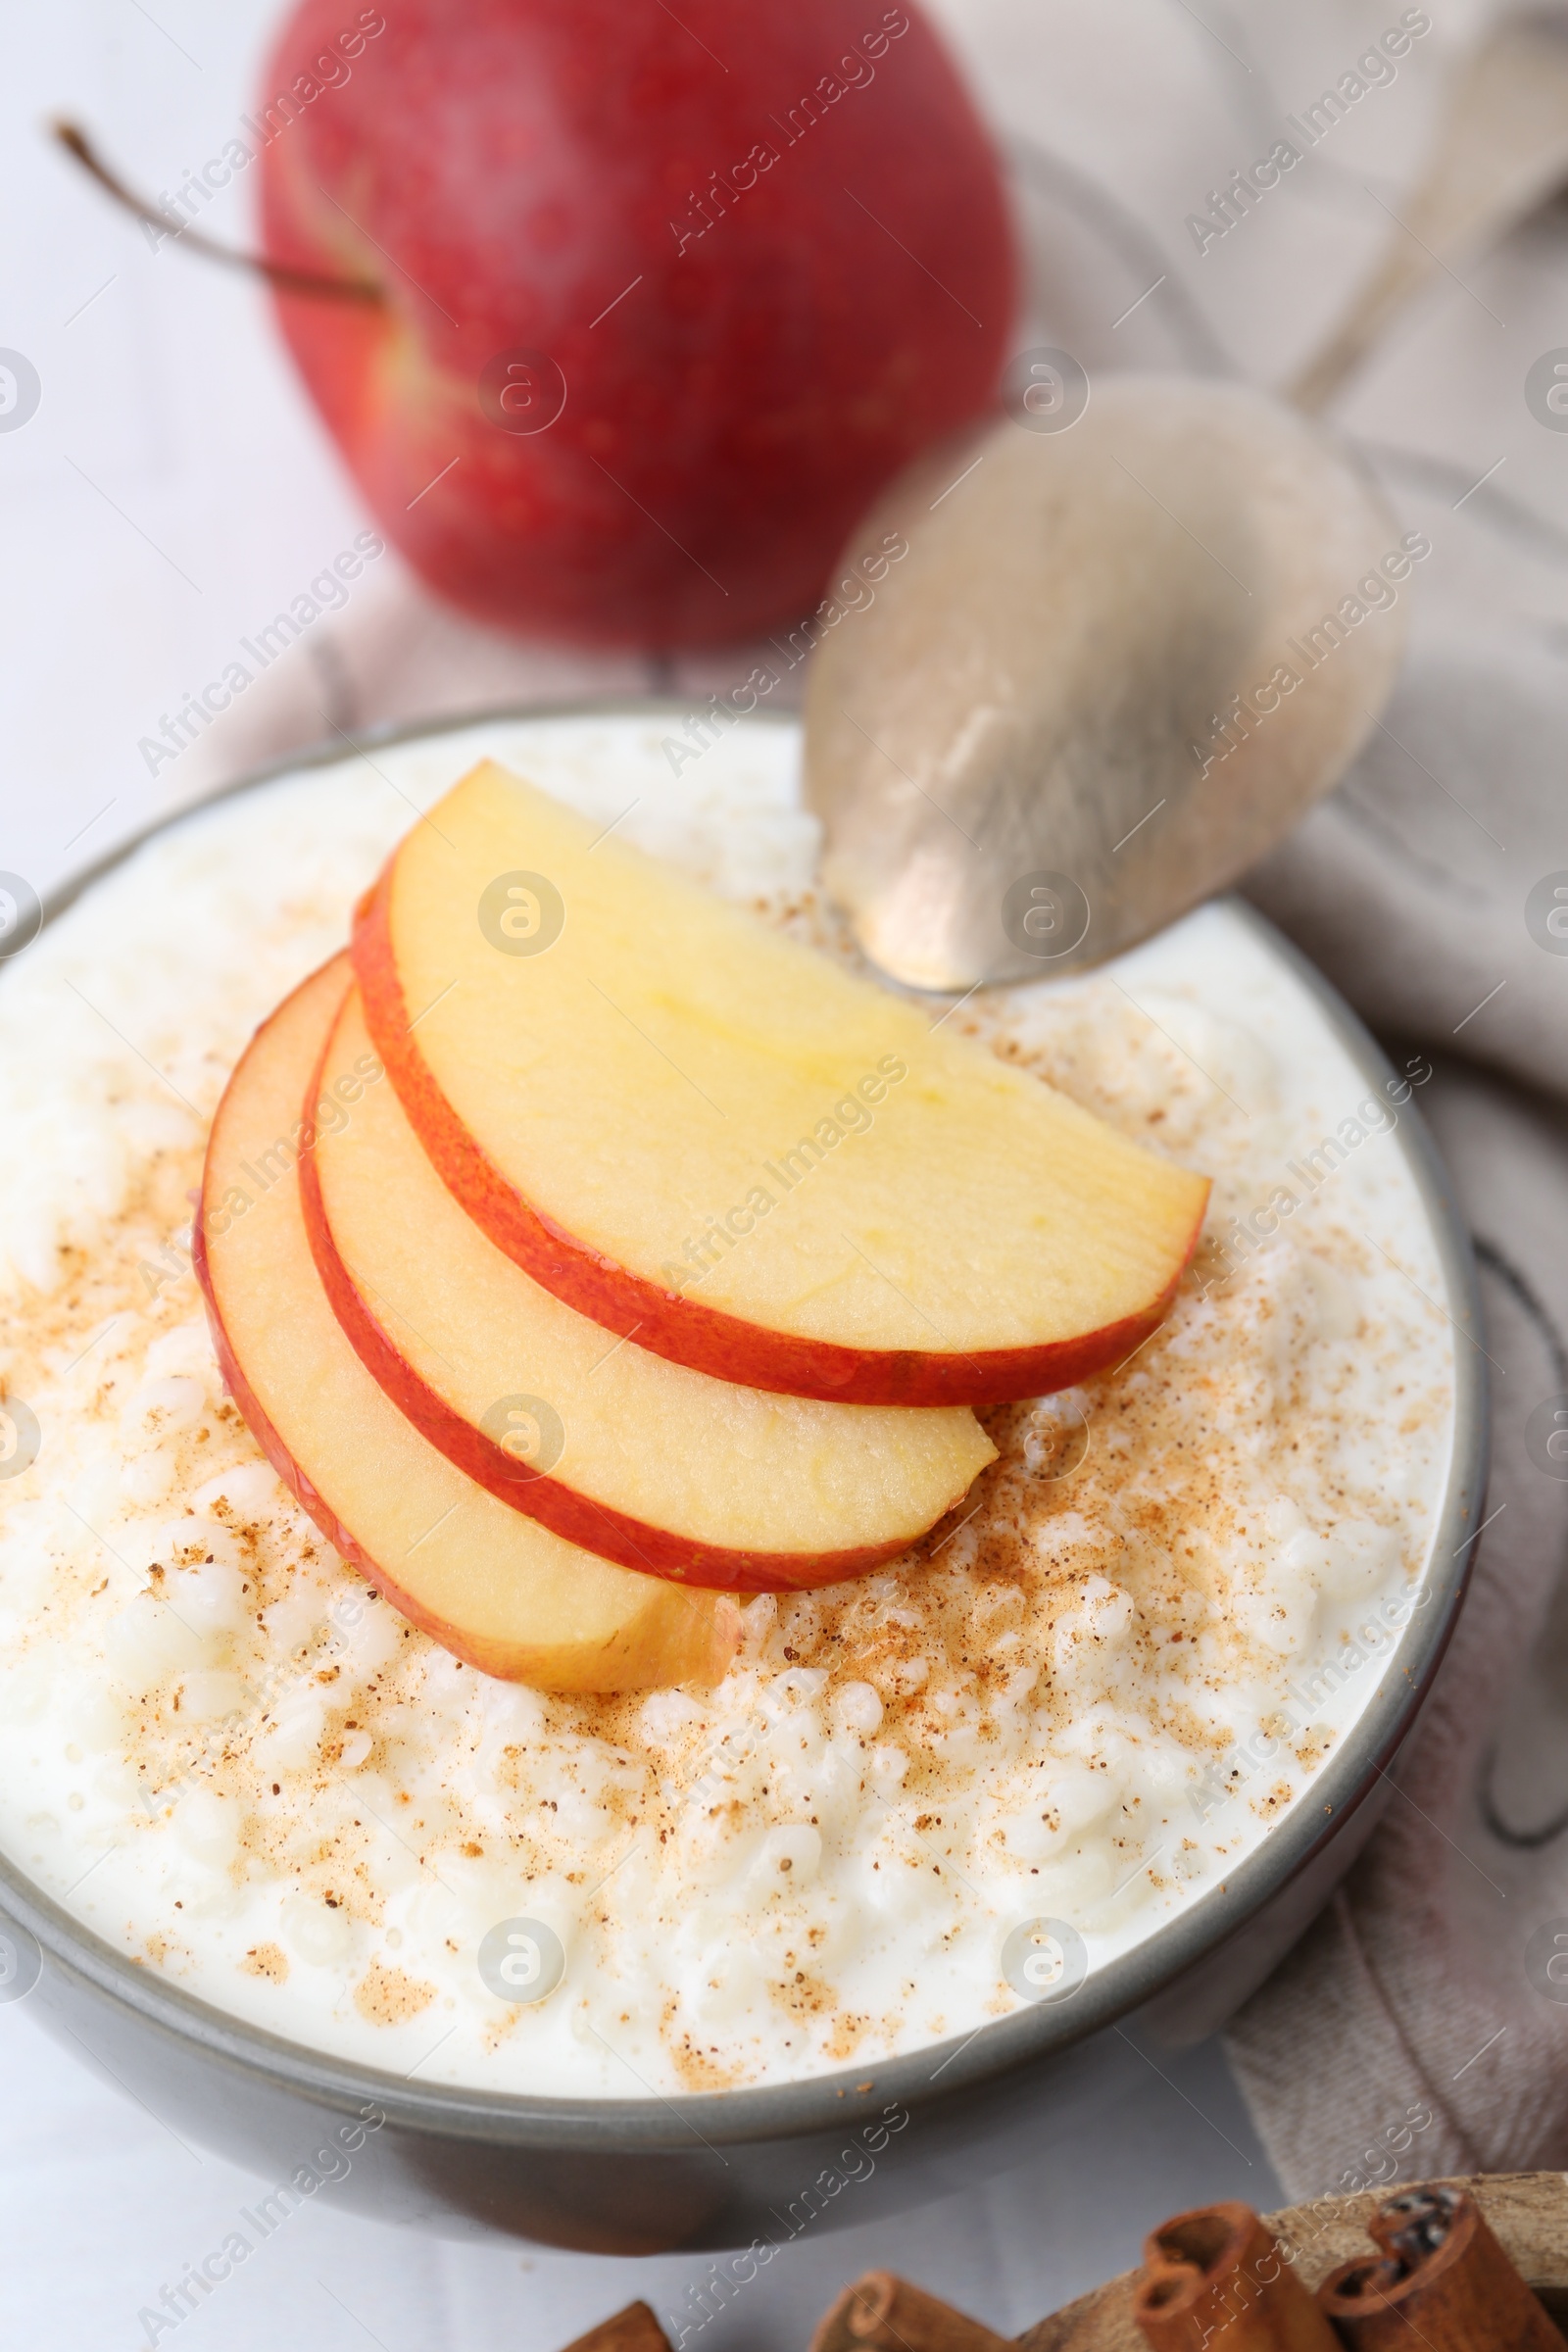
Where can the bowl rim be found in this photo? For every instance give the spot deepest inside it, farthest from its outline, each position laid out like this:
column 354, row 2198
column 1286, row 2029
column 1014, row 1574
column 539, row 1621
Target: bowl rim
column 687, row 2123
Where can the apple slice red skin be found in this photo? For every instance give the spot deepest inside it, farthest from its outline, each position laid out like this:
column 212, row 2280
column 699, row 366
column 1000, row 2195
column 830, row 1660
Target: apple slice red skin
column 288, row 1469
column 487, row 1659
column 348, row 1547
column 594, row 1526
column 684, row 1330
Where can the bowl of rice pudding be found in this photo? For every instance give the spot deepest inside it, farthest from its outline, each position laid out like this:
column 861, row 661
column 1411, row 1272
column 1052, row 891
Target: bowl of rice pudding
column 672, row 1965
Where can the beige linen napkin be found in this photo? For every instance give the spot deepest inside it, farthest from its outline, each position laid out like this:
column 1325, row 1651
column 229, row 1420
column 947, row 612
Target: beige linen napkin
column 1422, row 2026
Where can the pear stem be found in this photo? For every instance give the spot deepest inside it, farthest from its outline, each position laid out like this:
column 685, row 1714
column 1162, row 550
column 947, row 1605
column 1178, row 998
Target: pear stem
column 288, row 280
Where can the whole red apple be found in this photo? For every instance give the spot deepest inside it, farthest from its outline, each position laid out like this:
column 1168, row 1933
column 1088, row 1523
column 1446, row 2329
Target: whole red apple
column 666, row 295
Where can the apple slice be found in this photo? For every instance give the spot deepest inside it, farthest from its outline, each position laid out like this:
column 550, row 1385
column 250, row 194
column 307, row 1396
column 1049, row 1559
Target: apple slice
column 649, row 1463
column 692, row 1129
column 495, row 1588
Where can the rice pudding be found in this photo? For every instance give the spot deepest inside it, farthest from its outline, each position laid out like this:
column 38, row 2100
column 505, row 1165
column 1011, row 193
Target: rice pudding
column 1083, row 1698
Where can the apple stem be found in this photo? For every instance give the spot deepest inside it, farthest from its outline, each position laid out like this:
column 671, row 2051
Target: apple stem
column 288, row 280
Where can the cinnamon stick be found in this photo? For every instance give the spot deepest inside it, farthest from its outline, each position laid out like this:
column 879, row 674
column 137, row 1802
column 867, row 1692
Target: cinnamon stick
column 1218, row 2269
column 634, row 2330
column 1440, row 2279
column 883, row 2314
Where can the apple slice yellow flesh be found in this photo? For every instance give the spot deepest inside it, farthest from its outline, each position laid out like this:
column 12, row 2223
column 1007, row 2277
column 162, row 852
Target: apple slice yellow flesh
column 495, row 1588
column 640, row 1460
column 696, row 1131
